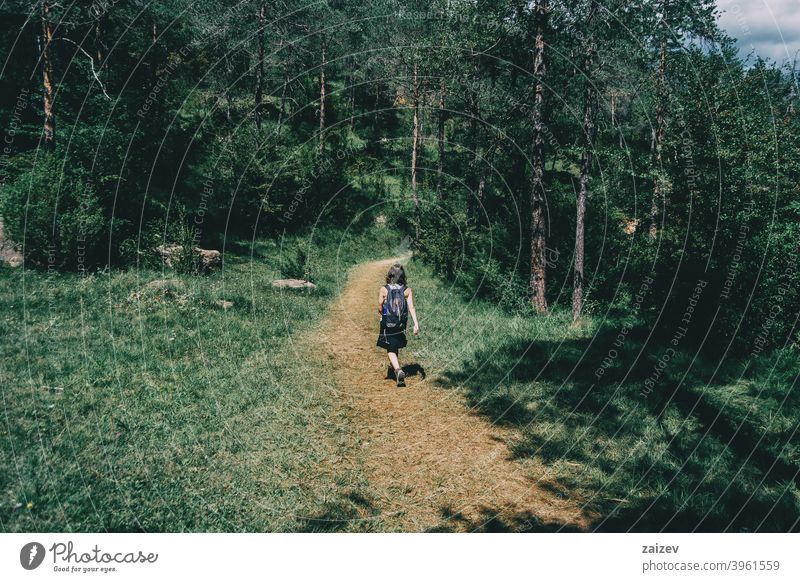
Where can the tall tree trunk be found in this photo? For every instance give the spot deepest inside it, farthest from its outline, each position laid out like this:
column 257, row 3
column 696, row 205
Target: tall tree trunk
column 47, row 81
column 538, row 259
column 477, row 178
column 352, row 94
column 282, row 108
column 375, row 106
column 440, row 142
column 658, row 141
column 262, row 17
column 323, row 62
column 414, row 147
column 98, row 41
column 475, row 175
column 589, row 129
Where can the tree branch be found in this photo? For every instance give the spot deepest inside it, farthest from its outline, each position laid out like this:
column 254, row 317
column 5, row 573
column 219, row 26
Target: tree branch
column 91, row 64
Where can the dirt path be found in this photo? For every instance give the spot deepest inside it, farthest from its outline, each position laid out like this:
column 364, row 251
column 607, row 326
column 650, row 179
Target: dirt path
column 431, row 463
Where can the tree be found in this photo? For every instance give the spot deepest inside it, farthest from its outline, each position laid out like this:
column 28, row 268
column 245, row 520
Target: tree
column 537, row 199
column 262, row 18
column 322, row 63
column 589, row 130
column 661, row 104
column 676, row 22
column 415, row 140
column 49, row 130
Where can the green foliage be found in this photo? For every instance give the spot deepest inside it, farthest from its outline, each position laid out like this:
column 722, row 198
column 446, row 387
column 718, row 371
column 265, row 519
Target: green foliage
column 442, row 236
column 295, row 264
column 53, row 211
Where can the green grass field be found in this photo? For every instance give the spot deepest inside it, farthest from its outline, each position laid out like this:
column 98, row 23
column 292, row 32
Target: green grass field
column 708, row 449
column 136, row 401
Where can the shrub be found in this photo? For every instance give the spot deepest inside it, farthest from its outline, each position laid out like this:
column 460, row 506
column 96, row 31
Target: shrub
column 55, row 214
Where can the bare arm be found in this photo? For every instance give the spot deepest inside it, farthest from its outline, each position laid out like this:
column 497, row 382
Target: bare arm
column 412, row 311
column 381, row 299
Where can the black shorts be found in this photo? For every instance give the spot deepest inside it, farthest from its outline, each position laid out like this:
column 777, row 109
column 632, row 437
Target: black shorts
column 391, row 340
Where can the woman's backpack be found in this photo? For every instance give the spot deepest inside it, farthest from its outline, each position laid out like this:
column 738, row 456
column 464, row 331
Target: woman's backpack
column 395, row 311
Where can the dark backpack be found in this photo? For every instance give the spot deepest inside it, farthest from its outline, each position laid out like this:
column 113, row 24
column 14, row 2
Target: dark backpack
column 395, row 311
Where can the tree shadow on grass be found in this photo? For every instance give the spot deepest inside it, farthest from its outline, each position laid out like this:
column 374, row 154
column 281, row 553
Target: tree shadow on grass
column 490, row 521
column 353, row 512
column 649, row 451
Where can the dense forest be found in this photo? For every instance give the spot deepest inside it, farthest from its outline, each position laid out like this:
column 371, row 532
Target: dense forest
column 567, row 150
column 612, row 160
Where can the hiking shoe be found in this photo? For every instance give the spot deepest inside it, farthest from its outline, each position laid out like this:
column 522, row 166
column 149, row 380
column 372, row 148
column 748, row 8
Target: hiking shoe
column 390, row 373
column 401, row 378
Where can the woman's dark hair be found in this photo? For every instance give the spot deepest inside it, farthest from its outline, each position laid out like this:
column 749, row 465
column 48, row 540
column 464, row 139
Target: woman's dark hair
column 397, row 274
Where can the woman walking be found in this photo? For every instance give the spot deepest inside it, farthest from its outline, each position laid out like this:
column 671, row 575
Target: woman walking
column 395, row 302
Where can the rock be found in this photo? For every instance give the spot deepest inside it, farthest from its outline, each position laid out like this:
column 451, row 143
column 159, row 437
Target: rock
column 11, row 257
column 226, row 305
column 293, row 284
column 208, row 259
column 167, row 252
column 9, row 252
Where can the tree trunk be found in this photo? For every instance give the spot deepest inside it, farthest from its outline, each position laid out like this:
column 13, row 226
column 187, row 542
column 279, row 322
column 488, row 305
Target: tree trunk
column 414, row 146
column 282, row 109
column 322, row 97
column 440, row 141
column 352, row 97
column 375, row 106
column 480, row 190
column 477, row 173
column 589, row 129
column 98, row 41
column 537, row 279
column 262, row 17
column 47, row 81
column 658, row 141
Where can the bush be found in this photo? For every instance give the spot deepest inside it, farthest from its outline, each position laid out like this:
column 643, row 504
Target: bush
column 55, row 214
column 442, row 240
column 295, row 263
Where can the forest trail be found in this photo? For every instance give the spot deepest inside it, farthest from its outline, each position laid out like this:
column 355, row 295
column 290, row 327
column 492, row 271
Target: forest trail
column 431, row 463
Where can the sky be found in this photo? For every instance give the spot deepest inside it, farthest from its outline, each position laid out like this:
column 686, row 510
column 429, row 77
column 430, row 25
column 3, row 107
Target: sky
column 770, row 27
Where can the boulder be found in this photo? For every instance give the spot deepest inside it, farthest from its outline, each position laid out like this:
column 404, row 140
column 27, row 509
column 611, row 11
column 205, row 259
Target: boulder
column 9, row 252
column 293, row 284
column 210, row 259
column 207, row 259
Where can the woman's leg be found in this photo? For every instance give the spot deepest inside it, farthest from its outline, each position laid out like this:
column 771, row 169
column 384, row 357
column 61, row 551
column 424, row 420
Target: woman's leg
column 394, row 361
column 399, row 375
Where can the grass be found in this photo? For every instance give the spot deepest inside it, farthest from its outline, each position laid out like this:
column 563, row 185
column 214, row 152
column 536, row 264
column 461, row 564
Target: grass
column 711, row 448
column 138, row 401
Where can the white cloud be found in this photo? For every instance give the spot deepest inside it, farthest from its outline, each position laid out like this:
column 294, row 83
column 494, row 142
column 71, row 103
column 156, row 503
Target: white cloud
column 770, row 27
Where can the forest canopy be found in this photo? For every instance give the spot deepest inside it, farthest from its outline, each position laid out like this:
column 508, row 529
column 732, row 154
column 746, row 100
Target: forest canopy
column 543, row 154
